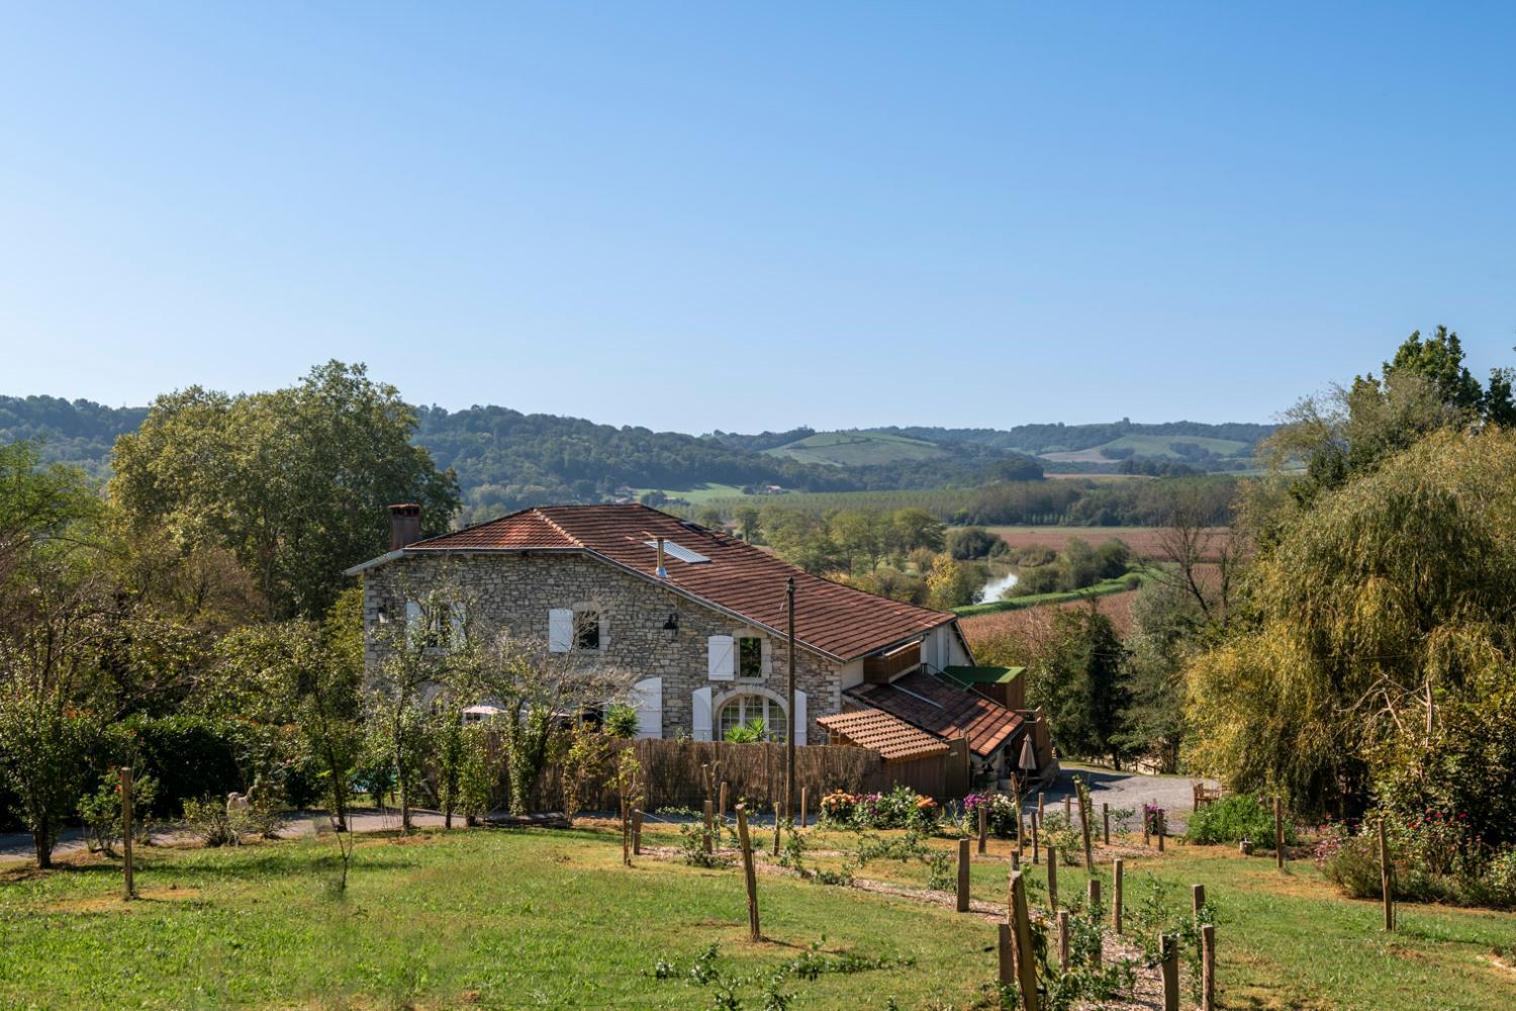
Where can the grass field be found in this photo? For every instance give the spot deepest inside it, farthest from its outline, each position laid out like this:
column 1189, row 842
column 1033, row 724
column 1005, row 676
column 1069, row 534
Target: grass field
column 701, row 495
column 858, row 449
column 1160, row 447
column 517, row 919
column 979, row 628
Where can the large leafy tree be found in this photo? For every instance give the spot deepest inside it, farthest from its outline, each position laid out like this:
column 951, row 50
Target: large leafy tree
column 1080, row 681
column 1376, row 650
column 294, row 482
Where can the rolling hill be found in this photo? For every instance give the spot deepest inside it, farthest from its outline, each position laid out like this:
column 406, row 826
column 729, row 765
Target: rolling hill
column 858, row 449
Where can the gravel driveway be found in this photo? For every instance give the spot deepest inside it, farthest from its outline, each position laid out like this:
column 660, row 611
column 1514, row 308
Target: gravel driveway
column 1131, row 790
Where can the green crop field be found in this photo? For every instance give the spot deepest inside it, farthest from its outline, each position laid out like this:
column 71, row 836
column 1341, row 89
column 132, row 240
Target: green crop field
column 858, row 449
column 1152, row 447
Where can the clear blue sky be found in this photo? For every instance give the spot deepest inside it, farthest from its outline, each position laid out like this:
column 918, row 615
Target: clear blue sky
column 747, row 216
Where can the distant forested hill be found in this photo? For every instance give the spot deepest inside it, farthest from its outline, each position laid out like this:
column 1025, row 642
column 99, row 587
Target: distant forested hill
column 78, row 432
column 505, row 459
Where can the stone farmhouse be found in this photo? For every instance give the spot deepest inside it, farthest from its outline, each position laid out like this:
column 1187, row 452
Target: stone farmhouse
column 700, row 616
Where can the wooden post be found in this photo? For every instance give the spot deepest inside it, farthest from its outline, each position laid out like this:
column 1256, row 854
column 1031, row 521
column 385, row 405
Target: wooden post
column 1105, row 818
column 1197, row 899
column 1026, row 958
column 626, row 834
column 1007, row 960
column 1084, row 824
column 1385, row 878
column 963, row 875
column 1063, row 940
column 1052, row 877
column 1116, row 882
column 1015, row 861
column 749, row 874
column 710, row 828
column 1170, row 964
column 1279, row 832
column 1035, row 843
column 1163, row 828
column 721, row 805
column 1020, row 834
column 1146, row 828
column 802, row 807
column 1094, row 906
column 984, row 823
column 1041, row 800
column 128, row 883
column 1207, row 968
column 776, row 829
column 1068, row 810
column 637, row 832
column 705, row 776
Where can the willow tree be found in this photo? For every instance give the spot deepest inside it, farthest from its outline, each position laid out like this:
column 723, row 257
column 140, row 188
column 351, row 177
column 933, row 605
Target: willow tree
column 1376, row 654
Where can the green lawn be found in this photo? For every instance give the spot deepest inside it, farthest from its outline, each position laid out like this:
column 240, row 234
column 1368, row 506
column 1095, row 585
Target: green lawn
column 1289, row 939
column 493, row 918
column 1100, row 589
column 550, row 919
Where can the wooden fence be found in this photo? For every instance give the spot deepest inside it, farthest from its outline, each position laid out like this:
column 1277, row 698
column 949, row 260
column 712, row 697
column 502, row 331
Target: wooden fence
column 755, row 772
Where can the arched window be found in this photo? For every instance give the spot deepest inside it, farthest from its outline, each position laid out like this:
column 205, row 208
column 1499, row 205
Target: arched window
column 741, row 710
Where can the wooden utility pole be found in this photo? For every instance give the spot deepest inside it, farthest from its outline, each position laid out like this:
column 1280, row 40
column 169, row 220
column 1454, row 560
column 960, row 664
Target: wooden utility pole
column 1385, row 879
column 128, row 884
column 789, row 741
column 750, row 876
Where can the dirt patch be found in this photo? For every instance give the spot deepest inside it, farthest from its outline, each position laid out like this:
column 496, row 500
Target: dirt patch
column 115, row 903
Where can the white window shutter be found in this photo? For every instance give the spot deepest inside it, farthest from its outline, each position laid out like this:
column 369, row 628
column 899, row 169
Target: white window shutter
column 648, row 695
column 700, row 714
column 720, row 660
column 800, row 717
column 459, row 621
column 560, row 629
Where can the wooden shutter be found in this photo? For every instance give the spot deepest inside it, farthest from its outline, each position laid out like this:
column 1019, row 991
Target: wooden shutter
column 648, row 698
column 700, row 714
column 721, row 661
column 560, row 629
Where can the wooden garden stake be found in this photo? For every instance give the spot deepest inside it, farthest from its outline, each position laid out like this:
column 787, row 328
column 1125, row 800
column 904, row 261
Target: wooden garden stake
column 626, row 834
column 1163, row 828
column 1026, row 958
column 721, row 805
column 777, row 828
column 1116, row 883
column 128, row 884
column 705, row 775
column 1035, row 842
column 1170, row 964
column 1063, row 939
column 710, row 828
column 984, row 820
column 1040, row 804
column 1105, row 819
column 1197, row 899
column 637, row 832
column 1007, row 960
column 1279, row 833
column 1015, row 861
column 802, row 807
column 1052, row 877
column 963, row 875
column 1207, row 968
column 1068, row 809
column 1094, row 907
column 749, row 874
column 1084, row 823
column 1385, row 881
column 1146, row 829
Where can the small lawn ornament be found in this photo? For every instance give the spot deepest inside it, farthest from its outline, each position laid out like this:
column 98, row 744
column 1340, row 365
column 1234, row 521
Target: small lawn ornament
column 1245, row 847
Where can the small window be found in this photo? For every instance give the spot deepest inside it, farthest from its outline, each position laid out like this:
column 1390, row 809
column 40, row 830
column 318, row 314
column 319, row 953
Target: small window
column 587, row 629
column 756, row 712
column 750, row 656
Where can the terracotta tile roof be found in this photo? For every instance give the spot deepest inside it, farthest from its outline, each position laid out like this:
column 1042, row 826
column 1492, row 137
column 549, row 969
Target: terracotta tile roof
column 879, row 731
column 837, row 620
column 942, row 709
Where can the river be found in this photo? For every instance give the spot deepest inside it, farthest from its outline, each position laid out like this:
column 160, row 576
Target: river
column 996, row 588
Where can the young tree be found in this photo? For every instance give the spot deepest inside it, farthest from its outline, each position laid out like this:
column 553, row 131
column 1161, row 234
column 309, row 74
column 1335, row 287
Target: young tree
column 44, row 747
column 537, row 691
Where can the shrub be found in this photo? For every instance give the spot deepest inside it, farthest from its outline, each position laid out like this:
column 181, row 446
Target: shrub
column 101, row 812
column 621, row 721
column 191, row 757
column 209, row 821
column 1235, row 818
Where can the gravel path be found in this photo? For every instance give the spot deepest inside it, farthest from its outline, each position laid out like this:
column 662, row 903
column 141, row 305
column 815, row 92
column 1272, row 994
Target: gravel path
column 1131, row 790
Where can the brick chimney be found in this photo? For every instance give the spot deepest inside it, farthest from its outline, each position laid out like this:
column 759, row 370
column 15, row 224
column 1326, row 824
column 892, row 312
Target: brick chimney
column 405, row 524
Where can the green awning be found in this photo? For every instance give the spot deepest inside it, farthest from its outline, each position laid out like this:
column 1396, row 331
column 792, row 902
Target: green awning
column 985, row 675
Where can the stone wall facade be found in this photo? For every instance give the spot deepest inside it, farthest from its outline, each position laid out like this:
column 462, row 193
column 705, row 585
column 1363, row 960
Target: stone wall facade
column 515, row 591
